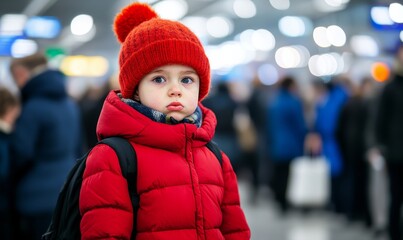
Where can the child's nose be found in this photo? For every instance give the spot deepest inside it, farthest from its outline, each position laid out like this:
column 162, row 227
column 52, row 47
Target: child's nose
column 175, row 90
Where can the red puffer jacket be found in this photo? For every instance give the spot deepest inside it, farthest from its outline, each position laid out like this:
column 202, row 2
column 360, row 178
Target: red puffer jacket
column 184, row 192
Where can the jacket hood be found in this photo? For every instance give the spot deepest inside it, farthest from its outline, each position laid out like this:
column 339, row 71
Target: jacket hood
column 119, row 119
column 48, row 84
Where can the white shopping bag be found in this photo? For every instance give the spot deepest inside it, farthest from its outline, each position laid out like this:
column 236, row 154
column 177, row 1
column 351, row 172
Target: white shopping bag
column 309, row 182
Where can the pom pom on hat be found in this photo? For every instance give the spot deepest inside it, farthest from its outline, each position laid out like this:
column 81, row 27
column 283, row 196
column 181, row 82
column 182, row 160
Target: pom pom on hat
column 149, row 42
column 130, row 17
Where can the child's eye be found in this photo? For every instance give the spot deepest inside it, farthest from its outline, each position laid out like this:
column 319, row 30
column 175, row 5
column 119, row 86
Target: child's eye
column 187, row 80
column 159, row 80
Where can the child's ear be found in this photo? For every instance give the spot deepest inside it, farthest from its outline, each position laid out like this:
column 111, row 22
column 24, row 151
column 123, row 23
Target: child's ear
column 136, row 96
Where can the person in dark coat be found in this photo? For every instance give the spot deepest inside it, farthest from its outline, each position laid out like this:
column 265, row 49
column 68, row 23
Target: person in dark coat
column 9, row 111
column 224, row 107
column 256, row 159
column 389, row 136
column 90, row 107
column 45, row 143
column 352, row 136
column 286, row 134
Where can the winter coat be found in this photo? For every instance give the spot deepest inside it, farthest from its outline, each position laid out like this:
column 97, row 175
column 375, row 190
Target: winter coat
column 4, row 171
column 184, row 192
column 45, row 142
column 351, row 131
column 327, row 117
column 224, row 108
column 389, row 127
column 286, row 128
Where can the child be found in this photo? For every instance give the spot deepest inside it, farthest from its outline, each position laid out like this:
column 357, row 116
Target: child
column 184, row 191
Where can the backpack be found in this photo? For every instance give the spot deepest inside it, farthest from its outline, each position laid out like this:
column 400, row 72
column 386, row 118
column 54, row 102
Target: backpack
column 65, row 223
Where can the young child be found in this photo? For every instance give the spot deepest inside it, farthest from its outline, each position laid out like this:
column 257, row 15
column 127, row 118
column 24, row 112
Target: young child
column 184, row 191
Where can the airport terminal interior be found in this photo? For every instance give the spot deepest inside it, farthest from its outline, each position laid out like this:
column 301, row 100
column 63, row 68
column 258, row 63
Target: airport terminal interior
column 252, row 45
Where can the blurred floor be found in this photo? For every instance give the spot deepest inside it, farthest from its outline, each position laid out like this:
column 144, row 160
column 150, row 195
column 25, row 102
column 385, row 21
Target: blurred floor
column 267, row 223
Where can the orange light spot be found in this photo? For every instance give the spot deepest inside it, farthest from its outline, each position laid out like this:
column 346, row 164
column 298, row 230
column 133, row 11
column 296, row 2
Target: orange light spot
column 380, row 71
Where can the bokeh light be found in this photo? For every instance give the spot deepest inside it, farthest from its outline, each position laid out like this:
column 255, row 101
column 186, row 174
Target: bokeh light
column 380, row 71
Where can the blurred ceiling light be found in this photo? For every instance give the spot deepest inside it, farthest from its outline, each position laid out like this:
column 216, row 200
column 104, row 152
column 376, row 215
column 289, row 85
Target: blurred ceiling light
column 327, row 36
column 73, row 66
column 263, row 40
column 287, row 57
column 81, row 24
column 326, row 64
column 364, row 46
column 280, row 4
column 320, row 37
column 171, row 9
column 292, row 56
column 228, row 55
column 396, row 12
column 97, row 66
column 380, row 71
column 341, row 62
column 43, row 27
column 244, row 8
column 148, row 1
column 336, row 3
column 336, row 35
column 232, row 54
column 86, row 37
column 380, row 15
column 219, row 27
column 23, row 47
column 197, row 25
column 84, row 66
column 213, row 55
column 268, row 74
column 12, row 24
column 330, row 5
column 245, row 38
column 292, row 26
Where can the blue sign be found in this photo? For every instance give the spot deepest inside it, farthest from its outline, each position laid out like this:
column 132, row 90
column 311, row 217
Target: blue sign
column 42, row 27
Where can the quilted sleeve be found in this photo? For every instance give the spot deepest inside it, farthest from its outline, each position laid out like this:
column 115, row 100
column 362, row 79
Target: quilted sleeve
column 234, row 225
column 105, row 204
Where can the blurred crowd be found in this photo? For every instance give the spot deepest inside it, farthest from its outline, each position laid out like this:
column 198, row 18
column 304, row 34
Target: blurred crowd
column 356, row 125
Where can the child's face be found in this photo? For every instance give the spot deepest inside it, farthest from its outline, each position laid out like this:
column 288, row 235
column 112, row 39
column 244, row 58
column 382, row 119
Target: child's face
column 171, row 89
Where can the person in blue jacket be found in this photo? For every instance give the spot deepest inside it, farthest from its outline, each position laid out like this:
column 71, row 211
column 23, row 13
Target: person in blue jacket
column 328, row 109
column 45, row 142
column 286, row 135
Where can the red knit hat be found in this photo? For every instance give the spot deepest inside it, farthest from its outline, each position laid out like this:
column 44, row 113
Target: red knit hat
column 149, row 42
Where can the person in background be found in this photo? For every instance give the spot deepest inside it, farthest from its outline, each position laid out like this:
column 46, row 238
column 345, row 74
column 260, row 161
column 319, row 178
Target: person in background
column 44, row 145
column 9, row 111
column 389, row 138
column 185, row 193
column 90, row 106
column 377, row 172
column 286, row 135
column 224, row 108
column 256, row 158
column 352, row 134
column 330, row 98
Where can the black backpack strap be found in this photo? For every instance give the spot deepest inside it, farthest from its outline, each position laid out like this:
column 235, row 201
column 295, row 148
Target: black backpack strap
column 126, row 154
column 215, row 149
